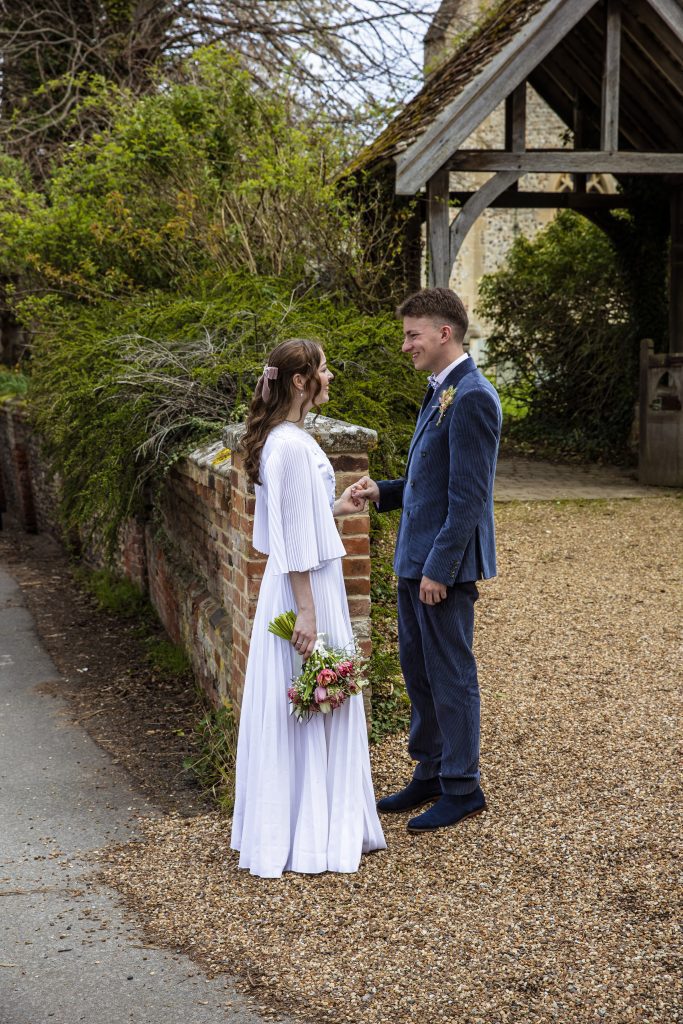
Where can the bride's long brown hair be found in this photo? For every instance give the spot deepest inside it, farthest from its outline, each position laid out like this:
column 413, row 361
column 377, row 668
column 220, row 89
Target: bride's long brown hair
column 296, row 355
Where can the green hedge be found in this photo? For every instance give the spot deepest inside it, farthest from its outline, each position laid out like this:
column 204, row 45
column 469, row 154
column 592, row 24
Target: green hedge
column 563, row 342
column 121, row 389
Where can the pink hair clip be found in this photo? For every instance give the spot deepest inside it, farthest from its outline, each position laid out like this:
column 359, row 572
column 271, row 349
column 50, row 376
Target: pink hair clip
column 269, row 373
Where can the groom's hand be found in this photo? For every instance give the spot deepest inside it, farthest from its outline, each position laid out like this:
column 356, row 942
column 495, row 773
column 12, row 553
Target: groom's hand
column 366, row 489
column 347, row 503
column 432, row 592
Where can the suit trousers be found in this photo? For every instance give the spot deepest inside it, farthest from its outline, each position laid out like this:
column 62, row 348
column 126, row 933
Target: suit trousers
column 435, row 647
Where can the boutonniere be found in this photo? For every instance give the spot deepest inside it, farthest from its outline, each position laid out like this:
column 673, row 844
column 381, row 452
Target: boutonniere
column 445, row 399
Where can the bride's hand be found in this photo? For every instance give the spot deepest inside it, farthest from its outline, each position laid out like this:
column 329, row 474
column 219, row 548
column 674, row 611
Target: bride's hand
column 304, row 635
column 347, row 503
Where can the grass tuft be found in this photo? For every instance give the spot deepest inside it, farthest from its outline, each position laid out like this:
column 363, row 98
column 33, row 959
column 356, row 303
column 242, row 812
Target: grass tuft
column 213, row 765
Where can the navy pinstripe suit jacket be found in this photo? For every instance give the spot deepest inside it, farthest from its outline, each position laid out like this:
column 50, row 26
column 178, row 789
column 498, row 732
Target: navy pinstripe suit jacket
column 446, row 530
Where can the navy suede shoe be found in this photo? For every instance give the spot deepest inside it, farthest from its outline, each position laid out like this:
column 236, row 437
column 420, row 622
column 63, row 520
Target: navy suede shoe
column 416, row 793
column 449, row 810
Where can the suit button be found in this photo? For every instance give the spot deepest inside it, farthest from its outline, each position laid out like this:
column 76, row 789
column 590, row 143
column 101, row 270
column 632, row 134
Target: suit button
column 412, row 483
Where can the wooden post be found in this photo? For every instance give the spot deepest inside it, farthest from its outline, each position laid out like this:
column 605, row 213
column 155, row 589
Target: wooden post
column 647, row 348
column 438, row 223
column 676, row 271
column 515, row 120
column 609, row 131
column 579, row 125
column 515, row 123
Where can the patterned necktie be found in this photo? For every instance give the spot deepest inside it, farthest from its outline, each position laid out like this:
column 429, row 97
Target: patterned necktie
column 429, row 394
column 433, row 381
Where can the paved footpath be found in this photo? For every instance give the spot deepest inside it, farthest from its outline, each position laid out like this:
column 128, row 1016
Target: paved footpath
column 67, row 952
column 520, row 479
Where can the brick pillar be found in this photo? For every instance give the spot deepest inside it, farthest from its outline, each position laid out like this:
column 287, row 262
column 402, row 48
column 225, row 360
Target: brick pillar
column 347, row 448
column 246, row 570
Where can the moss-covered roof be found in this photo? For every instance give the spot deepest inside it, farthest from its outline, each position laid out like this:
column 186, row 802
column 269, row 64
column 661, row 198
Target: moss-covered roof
column 498, row 26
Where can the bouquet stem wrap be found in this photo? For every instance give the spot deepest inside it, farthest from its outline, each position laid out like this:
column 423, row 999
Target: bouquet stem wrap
column 326, row 679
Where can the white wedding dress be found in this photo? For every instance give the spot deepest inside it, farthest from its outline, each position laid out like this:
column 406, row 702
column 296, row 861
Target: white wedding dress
column 304, row 799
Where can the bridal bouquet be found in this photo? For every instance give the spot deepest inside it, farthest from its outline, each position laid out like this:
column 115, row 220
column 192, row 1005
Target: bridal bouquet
column 326, row 679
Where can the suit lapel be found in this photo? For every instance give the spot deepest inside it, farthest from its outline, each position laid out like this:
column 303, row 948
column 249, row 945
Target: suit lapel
column 429, row 408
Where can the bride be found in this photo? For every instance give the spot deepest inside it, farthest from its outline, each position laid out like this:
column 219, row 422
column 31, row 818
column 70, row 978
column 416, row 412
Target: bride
column 304, row 799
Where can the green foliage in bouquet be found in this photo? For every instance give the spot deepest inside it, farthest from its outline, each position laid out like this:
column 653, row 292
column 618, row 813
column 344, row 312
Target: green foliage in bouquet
column 283, row 625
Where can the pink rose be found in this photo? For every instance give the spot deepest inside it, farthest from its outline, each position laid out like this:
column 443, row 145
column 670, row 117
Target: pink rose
column 345, row 668
column 353, row 687
column 320, row 693
column 326, row 676
column 293, row 695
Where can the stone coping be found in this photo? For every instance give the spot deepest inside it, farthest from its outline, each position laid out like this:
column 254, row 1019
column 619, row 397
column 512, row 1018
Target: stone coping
column 334, row 436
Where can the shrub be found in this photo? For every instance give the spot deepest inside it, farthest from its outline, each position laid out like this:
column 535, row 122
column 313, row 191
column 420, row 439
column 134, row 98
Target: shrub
column 563, row 342
column 120, row 389
column 211, row 172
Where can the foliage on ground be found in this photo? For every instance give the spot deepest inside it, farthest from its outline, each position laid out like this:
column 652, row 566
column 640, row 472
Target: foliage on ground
column 390, row 704
column 212, row 765
column 563, row 341
column 13, row 383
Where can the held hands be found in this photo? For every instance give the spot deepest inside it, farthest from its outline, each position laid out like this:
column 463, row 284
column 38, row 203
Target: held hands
column 348, row 502
column 304, row 635
column 365, row 489
column 432, row 592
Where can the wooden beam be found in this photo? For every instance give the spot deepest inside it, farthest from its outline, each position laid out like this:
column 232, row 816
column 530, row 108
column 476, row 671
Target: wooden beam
column 558, row 91
column 555, row 161
column 570, row 63
column 438, row 224
column 661, row 62
column 671, row 13
column 516, row 200
column 646, row 17
column 579, row 123
column 475, row 206
column 644, row 85
column 515, row 128
column 643, row 90
column 676, row 272
column 609, row 129
column 503, row 73
column 515, row 120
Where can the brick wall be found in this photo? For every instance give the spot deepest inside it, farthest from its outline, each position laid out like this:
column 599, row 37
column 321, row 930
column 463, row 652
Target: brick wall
column 15, row 465
column 194, row 556
column 347, row 448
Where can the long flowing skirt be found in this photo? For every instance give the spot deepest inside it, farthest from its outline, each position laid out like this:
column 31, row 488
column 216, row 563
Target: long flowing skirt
column 304, row 798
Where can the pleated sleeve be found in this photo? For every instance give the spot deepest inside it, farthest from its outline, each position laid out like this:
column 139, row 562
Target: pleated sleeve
column 302, row 534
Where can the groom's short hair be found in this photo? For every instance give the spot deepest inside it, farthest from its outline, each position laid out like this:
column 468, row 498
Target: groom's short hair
column 437, row 304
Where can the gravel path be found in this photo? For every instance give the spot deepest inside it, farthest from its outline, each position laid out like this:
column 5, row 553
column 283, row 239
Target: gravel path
column 561, row 903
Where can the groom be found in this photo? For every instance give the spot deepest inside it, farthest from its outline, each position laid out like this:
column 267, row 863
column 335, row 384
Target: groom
column 445, row 544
